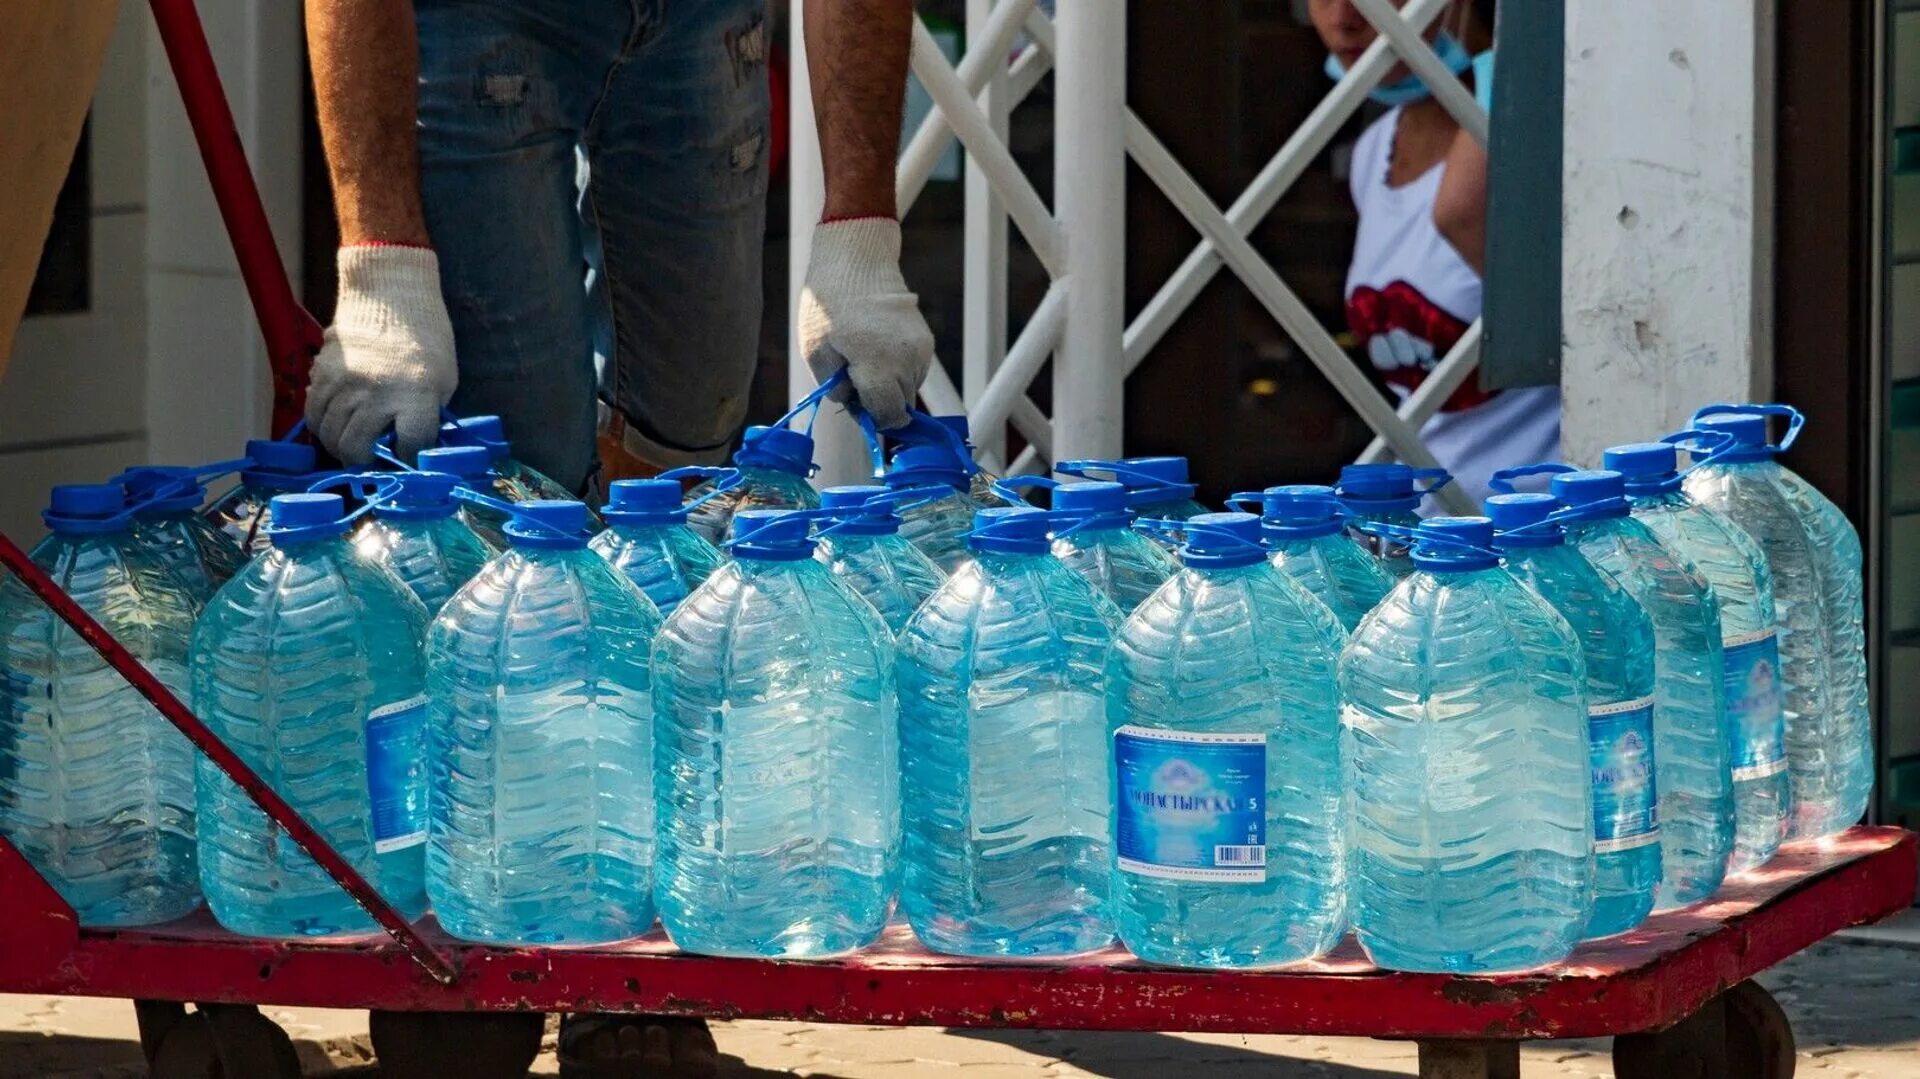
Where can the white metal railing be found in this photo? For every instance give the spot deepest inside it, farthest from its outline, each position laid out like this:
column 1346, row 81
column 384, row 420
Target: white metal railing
column 1081, row 240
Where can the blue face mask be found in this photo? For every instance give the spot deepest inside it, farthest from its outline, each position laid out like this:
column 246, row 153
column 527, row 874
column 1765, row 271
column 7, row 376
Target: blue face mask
column 1410, row 89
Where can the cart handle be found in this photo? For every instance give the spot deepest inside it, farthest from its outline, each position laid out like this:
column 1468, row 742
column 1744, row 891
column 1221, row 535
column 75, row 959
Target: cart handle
column 439, row 966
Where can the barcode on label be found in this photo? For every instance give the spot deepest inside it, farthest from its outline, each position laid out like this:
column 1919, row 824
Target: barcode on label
column 1224, row 855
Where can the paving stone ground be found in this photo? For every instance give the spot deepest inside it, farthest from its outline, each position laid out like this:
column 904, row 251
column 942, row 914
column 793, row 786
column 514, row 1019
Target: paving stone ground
column 1855, row 1007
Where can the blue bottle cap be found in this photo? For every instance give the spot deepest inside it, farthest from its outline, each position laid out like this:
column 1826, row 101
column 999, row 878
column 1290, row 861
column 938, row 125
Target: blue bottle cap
column 1222, row 540
column 1168, row 476
column 162, row 489
column 1750, row 441
column 1011, row 530
column 1378, row 488
column 1595, row 489
column 82, row 508
column 1454, row 544
column 305, row 516
column 1091, row 498
column 417, row 495
column 643, row 502
column 772, row 535
column 851, row 496
column 466, row 462
column 1648, row 467
column 1512, row 513
column 782, row 449
column 487, row 432
column 1164, row 469
column 852, row 513
column 272, row 455
column 548, row 523
column 1299, row 511
column 916, row 465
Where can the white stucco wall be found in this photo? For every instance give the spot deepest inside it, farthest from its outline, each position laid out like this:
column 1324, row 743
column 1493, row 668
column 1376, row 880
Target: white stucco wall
column 1666, row 279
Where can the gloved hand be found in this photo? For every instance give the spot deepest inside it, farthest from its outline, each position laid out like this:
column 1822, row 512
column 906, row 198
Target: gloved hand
column 387, row 362
column 856, row 312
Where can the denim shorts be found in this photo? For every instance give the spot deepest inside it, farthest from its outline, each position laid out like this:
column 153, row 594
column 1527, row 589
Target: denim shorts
column 594, row 174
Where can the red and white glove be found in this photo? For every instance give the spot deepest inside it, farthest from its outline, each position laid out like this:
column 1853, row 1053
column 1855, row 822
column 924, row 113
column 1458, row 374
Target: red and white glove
column 856, row 313
column 387, row 362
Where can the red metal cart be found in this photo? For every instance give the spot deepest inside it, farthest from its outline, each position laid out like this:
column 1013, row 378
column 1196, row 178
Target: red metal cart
column 1675, row 994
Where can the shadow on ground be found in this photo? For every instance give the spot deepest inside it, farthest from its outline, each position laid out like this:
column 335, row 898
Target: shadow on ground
column 1129, row 1055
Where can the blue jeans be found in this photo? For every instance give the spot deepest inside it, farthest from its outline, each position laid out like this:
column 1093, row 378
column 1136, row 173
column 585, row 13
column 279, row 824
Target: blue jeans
column 594, row 176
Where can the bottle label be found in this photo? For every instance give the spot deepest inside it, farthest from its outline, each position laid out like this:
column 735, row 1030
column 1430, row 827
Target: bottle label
column 1752, row 687
column 397, row 773
column 1620, row 752
column 1191, row 806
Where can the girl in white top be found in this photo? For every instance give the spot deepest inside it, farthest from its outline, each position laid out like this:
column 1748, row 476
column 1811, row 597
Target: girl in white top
column 1419, row 184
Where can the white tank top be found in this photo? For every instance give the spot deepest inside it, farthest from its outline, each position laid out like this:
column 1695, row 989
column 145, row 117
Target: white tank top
column 1410, row 297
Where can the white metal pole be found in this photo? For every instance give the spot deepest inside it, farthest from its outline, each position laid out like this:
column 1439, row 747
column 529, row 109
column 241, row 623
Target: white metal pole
column 839, row 448
column 984, row 304
column 1090, row 104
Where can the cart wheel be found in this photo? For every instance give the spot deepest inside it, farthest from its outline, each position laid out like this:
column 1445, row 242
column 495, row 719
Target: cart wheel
column 249, row 1044
column 428, row 1045
column 1693, row 1048
column 1759, row 1038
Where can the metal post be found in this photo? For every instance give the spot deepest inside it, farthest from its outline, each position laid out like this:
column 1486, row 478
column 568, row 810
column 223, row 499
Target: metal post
column 1090, row 104
column 839, row 449
column 984, row 303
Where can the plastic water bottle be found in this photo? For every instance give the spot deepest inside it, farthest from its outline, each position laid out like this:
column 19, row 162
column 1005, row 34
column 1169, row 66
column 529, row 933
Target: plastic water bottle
column 1303, row 526
column 1003, row 684
column 1386, row 494
column 1229, row 826
column 1094, row 536
column 1743, row 583
column 539, row 744
column 308, row 665
column 937, row 526
column 1158, row 488
column 472, row 468
column 166, row 507
column 776, row 755
column 417, row 534
column 774, row 464
column 278, row 468
column 1815, row 556
column 515, row 481
column 98, row 786
column 647, row 539
column 860, row 542
column 1692, row 743
column 1616, row 641
column 1470, row 846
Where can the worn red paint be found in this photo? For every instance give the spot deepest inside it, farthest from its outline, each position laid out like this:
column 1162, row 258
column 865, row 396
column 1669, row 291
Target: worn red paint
column 1641, row 981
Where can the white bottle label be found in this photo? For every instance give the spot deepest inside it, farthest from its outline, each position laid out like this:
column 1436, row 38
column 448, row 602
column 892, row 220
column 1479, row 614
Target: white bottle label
column 397, row 773
column 1751, row 680
column 1191, row 806
column 1620, row 753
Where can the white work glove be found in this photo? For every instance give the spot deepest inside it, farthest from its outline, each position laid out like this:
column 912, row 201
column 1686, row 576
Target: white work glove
column 387, row 363
column 856, row 313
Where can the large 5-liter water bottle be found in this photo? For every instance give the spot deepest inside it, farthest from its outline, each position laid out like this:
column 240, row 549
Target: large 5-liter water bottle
column 1470, row 847
column 1692, row 744
column 1814, row 553
column 308, row 665
column 539, row 743
column 1003, row 683
column 776, row 755
column 417, row 534
column 514, row 480
column 1743, row 583
column 276, row 468
column 774, row 464
column 1386, row 494
column 647, row 538
column 1157, row 487
column 166, row 507
column 937, row 526
column 1093, row 534
column 97, row 791
column 1616, row 640
column 1229, row 827
column 1304, row 528
column 472, row 468
column 860, row 541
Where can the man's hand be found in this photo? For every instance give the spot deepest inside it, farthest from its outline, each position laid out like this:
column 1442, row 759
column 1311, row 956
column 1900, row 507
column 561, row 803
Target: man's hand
column 856, row 313
column 388, row 358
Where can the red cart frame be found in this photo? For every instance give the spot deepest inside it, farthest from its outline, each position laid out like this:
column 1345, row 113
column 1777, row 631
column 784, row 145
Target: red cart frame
column 1683, row 972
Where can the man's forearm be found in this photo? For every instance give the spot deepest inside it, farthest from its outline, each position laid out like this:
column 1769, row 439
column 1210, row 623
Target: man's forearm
column 366, row 66
column 857, row 65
